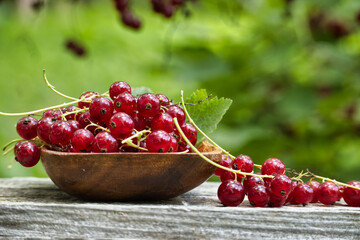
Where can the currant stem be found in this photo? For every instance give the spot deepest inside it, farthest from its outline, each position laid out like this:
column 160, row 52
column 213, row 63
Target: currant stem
column 331, row 180
column 41, row 110
column 97, row 126
column 210, row 161
column 75, row 111
column 9, row 150
column 11, row 142
column 136, row 135
column 206, row 136
column 54, row 90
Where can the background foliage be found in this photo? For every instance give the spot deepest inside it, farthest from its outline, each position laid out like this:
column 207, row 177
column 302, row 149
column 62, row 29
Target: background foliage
column 291, row 67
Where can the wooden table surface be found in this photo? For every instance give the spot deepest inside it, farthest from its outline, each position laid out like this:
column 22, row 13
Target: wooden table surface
column 36, row 208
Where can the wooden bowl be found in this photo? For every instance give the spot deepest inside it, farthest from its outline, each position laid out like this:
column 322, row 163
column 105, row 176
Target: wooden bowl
column 128, row 176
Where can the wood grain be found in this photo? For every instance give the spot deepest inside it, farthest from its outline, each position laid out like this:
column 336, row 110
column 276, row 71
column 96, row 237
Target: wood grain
column 36, row 208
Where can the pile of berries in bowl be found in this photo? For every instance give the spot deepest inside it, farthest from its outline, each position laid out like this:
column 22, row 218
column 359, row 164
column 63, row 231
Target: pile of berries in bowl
column 115, row 146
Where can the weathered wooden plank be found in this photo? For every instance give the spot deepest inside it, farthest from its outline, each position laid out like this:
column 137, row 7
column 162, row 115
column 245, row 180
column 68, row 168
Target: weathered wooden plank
column 32, row 207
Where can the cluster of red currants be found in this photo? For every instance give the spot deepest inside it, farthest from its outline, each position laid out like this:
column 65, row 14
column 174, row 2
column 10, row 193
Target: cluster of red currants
column 101, row 124
column 273, row 188
column 165, row 7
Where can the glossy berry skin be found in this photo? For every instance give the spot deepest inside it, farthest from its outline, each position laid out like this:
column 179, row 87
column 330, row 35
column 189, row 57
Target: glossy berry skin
column 71, row 109
column 328, row 193
column 227, row 175
column 43, row 128
column 315, row 185
column 84, row 119
column 289, row 198
column 158, row 141
column 26, row 127
column 118, row 88
column 125, row 102
column 250, row 181
column 231, row 193
column 101, row 109
column 81, row 140
column 104, row 142
column 162, row 121
column 86, row 95
column 244, row 164
column 276, row 201
column 121, row 125
column 273, row 166
column 75, row 125
column 53, row 113
column 27, row 153
column 281, row 185
column 352, row 196
column 148, row 105
column 60, row 133
column 226, row 162
column 303, row 193
column 174, row 145
column 164, row 101
column 190, row 132
column 177, row 112
column 258, row 196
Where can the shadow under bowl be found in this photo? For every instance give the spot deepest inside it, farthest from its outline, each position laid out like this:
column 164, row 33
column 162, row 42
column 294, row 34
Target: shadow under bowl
column 128, row 176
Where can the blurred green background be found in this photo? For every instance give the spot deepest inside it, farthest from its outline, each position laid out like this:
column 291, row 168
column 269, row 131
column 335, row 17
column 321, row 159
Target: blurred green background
column 291, row 67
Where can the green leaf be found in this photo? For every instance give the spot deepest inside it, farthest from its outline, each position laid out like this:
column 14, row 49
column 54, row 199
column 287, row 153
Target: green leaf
column 208, row 113
column 140, row 90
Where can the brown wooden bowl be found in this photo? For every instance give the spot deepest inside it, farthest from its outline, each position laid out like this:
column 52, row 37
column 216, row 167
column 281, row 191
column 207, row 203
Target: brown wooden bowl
column 128, row 176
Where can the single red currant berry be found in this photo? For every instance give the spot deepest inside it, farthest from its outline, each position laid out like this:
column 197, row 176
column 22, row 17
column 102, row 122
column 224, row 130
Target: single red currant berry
column 276, row 201
column 225, row 162
column 174, row 145
column 281, row 185
column 243, row 163
column 101, row 109
column 328, row 193
column 258, row 196
column 162, row 121
column 60, row 133
column 104, row 142
column 303, row 193
column 26, row 127
column 164, row 101
column 314, row 185
column 27, row 153
column 158, row 141
column 82, row 140
column 84, row 120
column 121, row 125
column 53, row 113
column 227, row 175
column 273, row 166
column 250, row 181
column 148, row 105
column 118, row 88
column 190, row 132
column 177, row 112
column 125, row 102
column 43, row 128
column 231, row 193
column 87, row 99
column 352, row 196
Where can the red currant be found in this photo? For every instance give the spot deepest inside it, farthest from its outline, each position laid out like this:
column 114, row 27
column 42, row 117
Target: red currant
column 273, row 166
column 121, row 125
column 328, row 193
column 231, row 193
column 104, row 142
column 303, row 193
column 315, row 185
column 158, row 141
column 352, row 196
column 258, row 196
column 60, row 133
column 243, row 163
column 148, row 105
column 43, row 128
column 26, row 127
column 27, row 153
column 281, row 185
column 82, row 140
column 118, row 88
column 101, row 109
column 87, row 96
column 177, row 112
column 125, row 102
column 225, row 162
column 164, row 101
column 162, row 121
column 250, row 181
